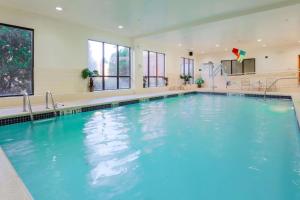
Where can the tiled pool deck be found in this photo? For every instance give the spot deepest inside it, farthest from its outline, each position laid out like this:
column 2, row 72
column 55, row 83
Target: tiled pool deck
column 12, row 187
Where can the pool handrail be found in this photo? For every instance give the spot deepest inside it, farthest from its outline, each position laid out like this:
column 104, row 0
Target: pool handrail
column 274, row 82
column 48, row 93
column 26, row 102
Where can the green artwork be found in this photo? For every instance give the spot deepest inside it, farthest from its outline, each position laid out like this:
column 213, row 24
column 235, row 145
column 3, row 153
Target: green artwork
column 16, row 60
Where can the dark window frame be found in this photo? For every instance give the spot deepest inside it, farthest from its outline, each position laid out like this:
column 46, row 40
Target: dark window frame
column 148, row 69
column 118, row 75
column 243, row 67
column 32, row 63
column 183, row 59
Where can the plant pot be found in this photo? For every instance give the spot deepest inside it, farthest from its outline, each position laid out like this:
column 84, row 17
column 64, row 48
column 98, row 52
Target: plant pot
column 91, row 85
column 91, row 89
column 199, row 86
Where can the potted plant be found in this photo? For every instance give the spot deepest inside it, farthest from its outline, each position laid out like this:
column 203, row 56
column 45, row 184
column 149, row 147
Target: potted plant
column 186, row 78
column 166, row 81
column 86, row 73
column 199, row 82
column 145, row 81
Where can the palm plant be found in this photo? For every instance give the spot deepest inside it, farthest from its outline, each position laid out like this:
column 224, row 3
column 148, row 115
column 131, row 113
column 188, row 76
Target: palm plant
column 86, row 73
column 186, row 78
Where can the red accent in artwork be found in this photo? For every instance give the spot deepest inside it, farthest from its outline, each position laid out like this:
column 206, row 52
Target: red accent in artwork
column 235, row 51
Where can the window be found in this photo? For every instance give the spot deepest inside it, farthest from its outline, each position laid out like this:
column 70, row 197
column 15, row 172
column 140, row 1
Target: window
column 236, row 67
column 233, row 67
column 16, row 60
column 112, row 63
column 187, row 68
column 154, row 69
column 227, row 66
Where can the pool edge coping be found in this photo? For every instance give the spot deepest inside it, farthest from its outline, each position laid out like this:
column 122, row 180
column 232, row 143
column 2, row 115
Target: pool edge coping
column 12, row 186
column 25, row 117
column 85, row 107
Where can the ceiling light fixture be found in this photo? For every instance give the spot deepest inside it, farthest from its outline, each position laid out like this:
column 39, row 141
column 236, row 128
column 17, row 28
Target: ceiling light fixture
column 217, row 45
column 58, row 8
column 259, row 40
column 120, row 27
column 180, row 45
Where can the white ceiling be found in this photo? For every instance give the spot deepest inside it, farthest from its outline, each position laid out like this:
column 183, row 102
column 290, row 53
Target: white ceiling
column 143, row 17
column 197, row 24
column 279, row 27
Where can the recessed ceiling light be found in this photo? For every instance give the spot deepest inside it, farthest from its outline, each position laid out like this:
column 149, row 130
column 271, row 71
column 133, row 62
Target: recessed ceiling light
column 259, row 40
column 120, row 27
column 180, row 45
column 217, row 45
column 58, row 8
column 264, row 45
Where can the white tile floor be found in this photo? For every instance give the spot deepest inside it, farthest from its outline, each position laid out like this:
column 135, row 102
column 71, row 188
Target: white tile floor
column 11, row 186
column 18, row 111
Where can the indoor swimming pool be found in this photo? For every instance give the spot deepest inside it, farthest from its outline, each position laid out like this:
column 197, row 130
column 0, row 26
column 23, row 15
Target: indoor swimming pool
column 189, row 147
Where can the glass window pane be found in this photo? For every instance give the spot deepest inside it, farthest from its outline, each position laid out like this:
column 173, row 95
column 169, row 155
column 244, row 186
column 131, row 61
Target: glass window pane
column 182, row 66
column 110, row 83
column 160, row 82
column 98, row 83
column 160, row 64
column 191, row 71
column 237, row 67
column 145, row 82
column 110, row 60
column 124, row 61
column 16, row 61
column 95, row 56
column 227, row 66
column 152, row 82
column 191, row 68
column 145, row 60
column 152, row 57
column 249, row 66
column 124, row 83
column 186, row 67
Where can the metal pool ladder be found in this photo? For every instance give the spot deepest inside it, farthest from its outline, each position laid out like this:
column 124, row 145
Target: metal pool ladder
column 26, row 102
column 48, row 93
column 274, row 82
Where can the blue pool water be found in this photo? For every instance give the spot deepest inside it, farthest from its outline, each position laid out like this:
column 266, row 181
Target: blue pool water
column 184, row 148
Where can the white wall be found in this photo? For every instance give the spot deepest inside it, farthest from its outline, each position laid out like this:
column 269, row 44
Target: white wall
column 60, row 50
column 61, row 53
column 173, row 59
column 280, row 59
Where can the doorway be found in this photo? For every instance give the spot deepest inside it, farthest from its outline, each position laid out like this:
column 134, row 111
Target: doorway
column 299, row 69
